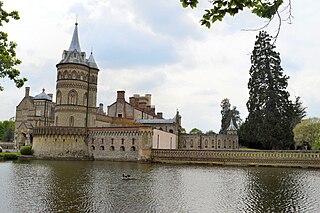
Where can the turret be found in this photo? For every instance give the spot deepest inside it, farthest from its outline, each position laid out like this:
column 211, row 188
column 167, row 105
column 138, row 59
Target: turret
column 76, row 86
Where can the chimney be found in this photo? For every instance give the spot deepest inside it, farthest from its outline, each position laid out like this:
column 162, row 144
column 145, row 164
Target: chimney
column 27, row 91
column 132, row 101
column 148, row 96
column 50, row 95
column 120, row 95
column 142, row 105
column 159, row 115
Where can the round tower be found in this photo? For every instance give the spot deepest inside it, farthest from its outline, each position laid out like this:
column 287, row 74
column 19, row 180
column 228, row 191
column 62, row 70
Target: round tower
column 76, row 87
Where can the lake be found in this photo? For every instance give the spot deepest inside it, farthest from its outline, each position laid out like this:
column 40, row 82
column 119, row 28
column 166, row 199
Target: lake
column 96, row 186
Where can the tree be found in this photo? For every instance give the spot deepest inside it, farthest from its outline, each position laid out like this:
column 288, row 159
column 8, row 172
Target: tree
column 210, row 132
column 307, row 133
column 7, row 130
column 272, row 115
column 8, row 58
column 195, row 131
column 263, row 9
column 227, row 114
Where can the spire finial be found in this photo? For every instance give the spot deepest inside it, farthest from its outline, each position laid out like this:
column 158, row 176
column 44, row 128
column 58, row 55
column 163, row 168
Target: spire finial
column 75, row 45
column 76, row 19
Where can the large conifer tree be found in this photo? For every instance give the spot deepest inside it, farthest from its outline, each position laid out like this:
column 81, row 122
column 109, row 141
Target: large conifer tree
column 272, row 115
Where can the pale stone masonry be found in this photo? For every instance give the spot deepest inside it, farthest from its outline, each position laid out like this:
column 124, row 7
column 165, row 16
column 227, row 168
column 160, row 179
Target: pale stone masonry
column 74, row 127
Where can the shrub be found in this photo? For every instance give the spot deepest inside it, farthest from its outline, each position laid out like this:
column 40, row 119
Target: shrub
column 9, row 156
column 26, row 150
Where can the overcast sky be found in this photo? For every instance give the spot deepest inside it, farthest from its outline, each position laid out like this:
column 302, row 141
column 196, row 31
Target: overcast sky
column 158, row 47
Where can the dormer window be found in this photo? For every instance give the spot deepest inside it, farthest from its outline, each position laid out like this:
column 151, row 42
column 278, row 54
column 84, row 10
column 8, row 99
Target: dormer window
column 74, row 55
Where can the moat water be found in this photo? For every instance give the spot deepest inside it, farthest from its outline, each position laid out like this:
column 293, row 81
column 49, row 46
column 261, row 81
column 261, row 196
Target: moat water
column 75, row 186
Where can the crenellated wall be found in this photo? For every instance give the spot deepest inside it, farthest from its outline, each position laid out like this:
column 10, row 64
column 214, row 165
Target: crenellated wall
column 120, row 143
column 60, row 142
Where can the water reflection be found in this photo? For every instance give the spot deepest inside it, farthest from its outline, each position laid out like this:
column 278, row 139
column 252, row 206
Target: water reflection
column 68, row 186
column 281, row 190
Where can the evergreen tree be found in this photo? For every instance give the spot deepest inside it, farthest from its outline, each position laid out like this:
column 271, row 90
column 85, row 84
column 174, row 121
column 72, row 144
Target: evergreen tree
column 272, row 116
column 227, row 114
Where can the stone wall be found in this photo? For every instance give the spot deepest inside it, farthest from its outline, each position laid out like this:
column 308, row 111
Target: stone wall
column 60, row 142
column 120, row 143
column 208, row 142
column 302, row 159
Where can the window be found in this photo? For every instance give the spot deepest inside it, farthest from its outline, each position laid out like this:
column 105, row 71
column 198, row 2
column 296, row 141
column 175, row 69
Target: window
column 171, row 131
column 85, row 97
column 72, row 97
column 191, row 143
column 120, row 115
column 59, row 97
column 93, row 148
column 112, row 141
column 122, row 141
column 133, row 148
column 132, row 141
column 111, row 148
column 101, row 147
column 122, row 148
column 71, row 121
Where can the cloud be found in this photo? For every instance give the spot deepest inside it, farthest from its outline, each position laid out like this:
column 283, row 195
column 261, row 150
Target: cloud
column 158, row 47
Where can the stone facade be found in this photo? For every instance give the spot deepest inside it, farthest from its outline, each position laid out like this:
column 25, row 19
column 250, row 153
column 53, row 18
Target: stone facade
column 208, row 142
column 32, row 112
column 138, row 108
column 121, row 143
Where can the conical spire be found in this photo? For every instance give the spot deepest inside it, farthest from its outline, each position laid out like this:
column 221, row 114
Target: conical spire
column 92, row 62
column 231, row 126
column 75, row 45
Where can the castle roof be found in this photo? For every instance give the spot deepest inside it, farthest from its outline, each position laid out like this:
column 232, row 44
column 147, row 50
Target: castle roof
column 75, row 45
column 74, row 54
column 42, row 96
column 92, row 63
column 156, row 121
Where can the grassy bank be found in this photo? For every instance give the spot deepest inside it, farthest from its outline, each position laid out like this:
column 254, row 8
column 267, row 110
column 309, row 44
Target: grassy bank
column 9, row 155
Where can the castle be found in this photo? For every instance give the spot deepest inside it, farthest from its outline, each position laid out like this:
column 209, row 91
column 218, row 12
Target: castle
column 74, row 127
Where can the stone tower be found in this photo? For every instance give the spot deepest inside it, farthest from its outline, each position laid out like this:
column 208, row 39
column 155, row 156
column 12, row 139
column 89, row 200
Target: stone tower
column 76, row 87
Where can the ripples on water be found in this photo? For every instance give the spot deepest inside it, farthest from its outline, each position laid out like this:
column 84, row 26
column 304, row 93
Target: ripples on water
column 69, row 186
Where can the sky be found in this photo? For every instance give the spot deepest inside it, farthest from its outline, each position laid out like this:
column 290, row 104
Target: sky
column 159, row 47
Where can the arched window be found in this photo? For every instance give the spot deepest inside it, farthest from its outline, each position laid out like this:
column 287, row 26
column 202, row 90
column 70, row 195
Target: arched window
column 206, row 143
column 59, row 97
column 171, row 131
column 71, row 121
column 133, row 148
column 93, row 148
column 65, row 75
column 74, row 75
column 122, row 148
column 101, row 147
column 85, row 97
column 111, row 148
column 72, row 97
column 191, row 143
